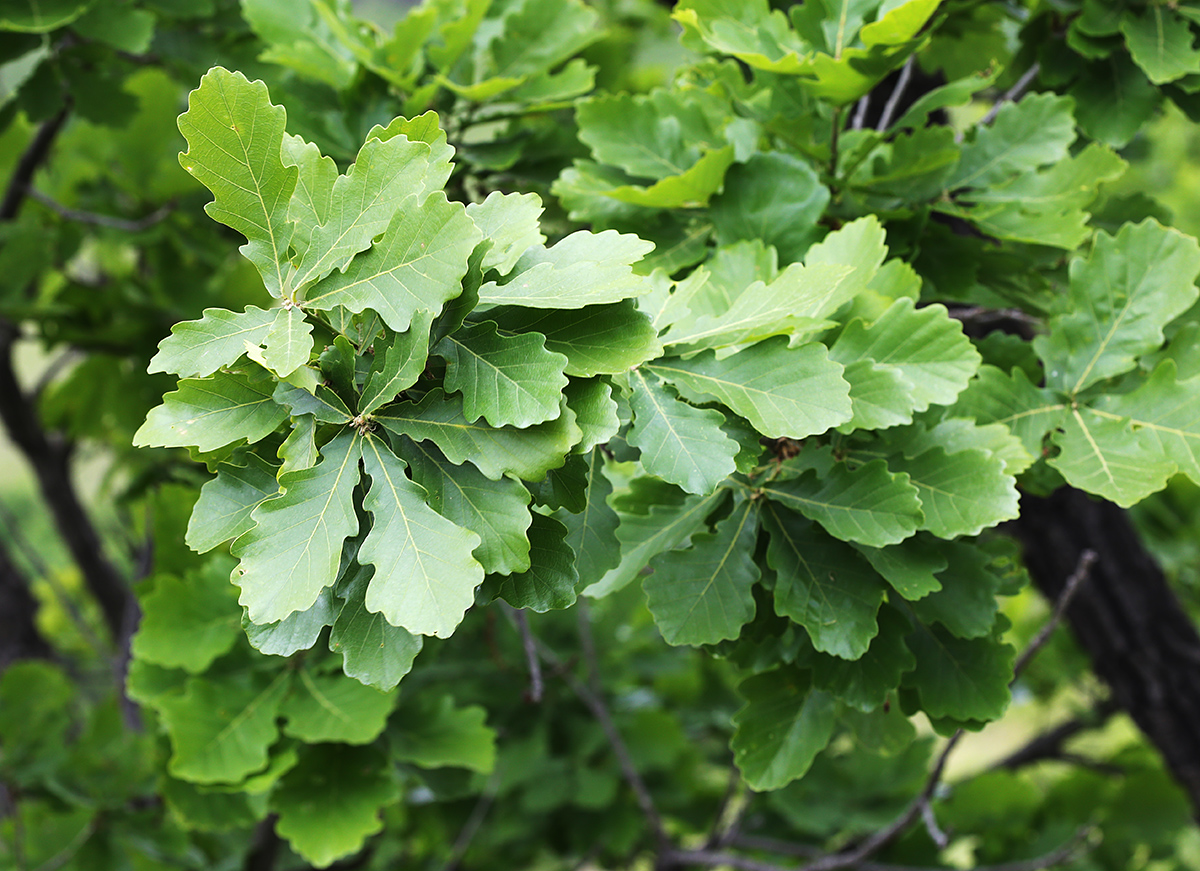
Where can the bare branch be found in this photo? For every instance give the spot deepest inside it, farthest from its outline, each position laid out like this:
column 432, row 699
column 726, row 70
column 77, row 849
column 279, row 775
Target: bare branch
column 1082, row 569
column 81, row 217
column 728, row 819
column 860, row 112
column 936, row 834
column 33, row 157
column 534, row 664
column 1049, row 744
column 893, row 102
column 1012, row 94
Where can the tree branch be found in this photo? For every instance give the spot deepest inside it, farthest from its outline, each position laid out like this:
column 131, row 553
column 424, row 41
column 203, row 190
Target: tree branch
column 893, row 101
column 35, row 155
column 532, row 661
column 1082, row 569
column 81, row 217
column 1049, row 744
column 1012, row 94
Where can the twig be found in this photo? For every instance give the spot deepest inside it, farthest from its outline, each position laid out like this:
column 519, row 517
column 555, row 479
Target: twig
column 531, row 656
column 893, row 103
column 860, row 112
column 94, row 219
column 1074, row 582
column 1049, row 744
column 471, row 827
column 1012, row 94
column 34, row 156
column 726, row 822
column 936, row 834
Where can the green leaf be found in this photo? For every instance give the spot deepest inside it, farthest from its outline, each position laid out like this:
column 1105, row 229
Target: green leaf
column 688, row 190
column 679, row 443
column 41, row 16
column 773, row 197
column 210, row 413
column 325, row 405
column 783, row 392
column 644, row 536
column 417, row 265
column 822, row 584
column 911, row 566
column 1113, row 100
column 509, row 380
column 865, row 683
column 235, row 141
column 325, row 818
column 223, row 510
column 288, row 343
column 292, row 553
column 362, row 204
column 435, row 734
column 869, row 505
column 220, row 732
column 1120, row 297
column 596, row 340
column 1029, row 412
column 961, row 493
column 966, row 604
column 510, row 222
column 333, row 707
column 781, row 728
column 373, row 651
column 425, row 576
column 188, row 623
column 1105, row 455
column 199, row 348
column 399, row 360
column 495, row 510
column 581, row 270
column 962, row 678
column 313, row 194
column 526, row 453
column 1161, row 44
column 596, row 413
column 1165, row 412
column 703, row 594
column 592, row 532
column 1026, row 134
column 295, row 632
column 550, row 581
column 925, row 346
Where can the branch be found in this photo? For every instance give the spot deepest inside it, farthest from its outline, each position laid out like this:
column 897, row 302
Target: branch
column 1082, row 569
column 478, row 813
column 35, row 155
column 1049, row 744
column 534, row 664
column 1012, row 94
column 101, row 220
column 893, row 103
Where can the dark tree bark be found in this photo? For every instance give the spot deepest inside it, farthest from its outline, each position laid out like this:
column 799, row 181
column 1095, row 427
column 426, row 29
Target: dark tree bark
column 1140, row 640
column 19, row 635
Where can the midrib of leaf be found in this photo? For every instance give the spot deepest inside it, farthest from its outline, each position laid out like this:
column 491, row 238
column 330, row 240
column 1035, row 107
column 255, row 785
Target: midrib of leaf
column 841, row 33
column 1146, row 424
column 1029, row 412
column 246, row 712
column 1111, row 332
column 372, row 278
column 322, row 699
column 661, row 413
column 328, row 497
column 1095, row 447
column 712, row 578
column 795, row 549
column 483, row 515
column 257, row 192
column 228, row 408
column 499, row 372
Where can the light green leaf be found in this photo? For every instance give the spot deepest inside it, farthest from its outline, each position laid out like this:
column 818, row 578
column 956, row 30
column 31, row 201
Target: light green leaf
column 223, row 510
column 526, row 453
column 510, row 222
column 596, row 415
column 783, row 392
column 495, row 510
column 293, row 551
column 422, row 128
column 774, row 197
column 1026, row 134
column 326, row 818
column 299, row 449
column 1161, row 43
column 703, row 594
column 958, row 434
column 235, row 142
column 781, row 729
column 399, row 361
column 581, row 270
column 325, row 405
column 1105, row 455
column 509, row 380
column 425, row 576
column 435, row 734
column 644, row 536
column 688, row 190
column 373, row 651
column 199, row 348
column 1165, row 413
column 880, row 396
column 188, row 623
column 596, row 340
column 288, row 343
column 822, row 584
column 678, row 442
column 962, row 678
column 926, row 346
column 961, row 493
column 295, row 632
column 869, row 505
column 220, row 732
column 41, row 16
column 209, row 413
column 417, row 265
column 550, row 581
column 592, row 532
column 362, row 204
column 1029, row 412
column 1120, row 297
column 313, row 194
column 332, row 707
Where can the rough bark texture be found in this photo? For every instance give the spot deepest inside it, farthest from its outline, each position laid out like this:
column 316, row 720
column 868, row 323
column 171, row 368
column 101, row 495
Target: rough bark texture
column 1130, row 623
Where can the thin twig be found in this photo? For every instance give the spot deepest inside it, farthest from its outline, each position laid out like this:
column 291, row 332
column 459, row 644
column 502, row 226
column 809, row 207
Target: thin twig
column 1012, row 94
column 860, row 112
column 1049, row 744
column 531, row 655
column 81, row 217
column 1082, row 570
column 33, row 157
column 474, row 822
column 728, row 817
column 893, row 103
column 936, row 834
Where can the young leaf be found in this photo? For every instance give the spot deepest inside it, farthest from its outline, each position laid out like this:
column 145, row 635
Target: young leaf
column 703, row 595
column 400, row 359
column 196, row 349
column 1025, row 135
column 510, row 221
column 223, row 510
column 1161, row 43
column 425, row 576
column 679, row 443
column 781, row 729
column 295, row 632
column 288, row 343
column 235, row 141
column 1106, row 456
column 210, row 413
column 1164, row 412
column 293, row 551
column 595, row 410
column 509, row 380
